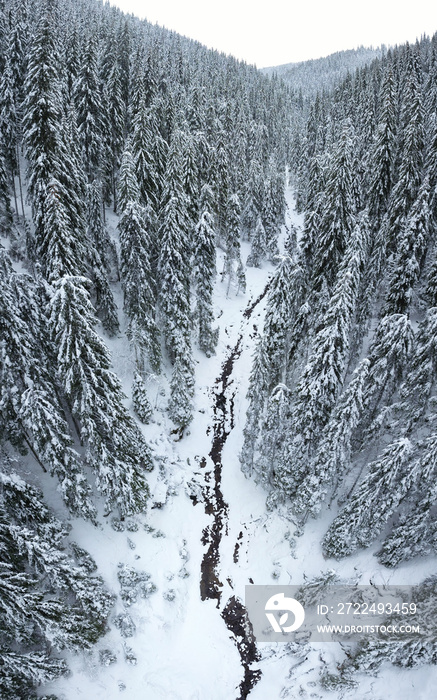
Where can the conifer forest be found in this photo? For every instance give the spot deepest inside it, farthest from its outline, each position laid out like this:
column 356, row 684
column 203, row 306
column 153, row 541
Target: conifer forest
column 218, row 357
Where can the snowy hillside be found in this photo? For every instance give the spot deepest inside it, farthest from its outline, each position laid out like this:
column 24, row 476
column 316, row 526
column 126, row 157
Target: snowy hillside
column 206, row 536
column 317, row 75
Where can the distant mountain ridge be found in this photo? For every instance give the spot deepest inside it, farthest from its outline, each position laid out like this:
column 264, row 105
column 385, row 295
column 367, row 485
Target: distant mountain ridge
column 324, row 73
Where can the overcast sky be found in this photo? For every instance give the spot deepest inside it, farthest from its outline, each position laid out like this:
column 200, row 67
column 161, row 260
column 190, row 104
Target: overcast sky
column 283, row 31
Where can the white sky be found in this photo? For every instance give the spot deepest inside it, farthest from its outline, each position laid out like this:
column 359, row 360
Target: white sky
column 284, row 31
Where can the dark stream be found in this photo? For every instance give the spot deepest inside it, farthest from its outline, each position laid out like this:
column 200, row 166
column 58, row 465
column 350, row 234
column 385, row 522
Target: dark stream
column 234, row 613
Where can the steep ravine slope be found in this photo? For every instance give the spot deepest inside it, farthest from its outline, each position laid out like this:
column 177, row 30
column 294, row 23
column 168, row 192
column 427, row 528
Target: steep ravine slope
column 206, row 536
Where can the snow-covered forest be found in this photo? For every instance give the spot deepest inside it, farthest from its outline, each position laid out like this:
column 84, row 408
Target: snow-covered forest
column 307, row 78
column 218, row 338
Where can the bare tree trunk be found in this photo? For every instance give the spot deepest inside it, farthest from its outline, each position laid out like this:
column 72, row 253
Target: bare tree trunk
column 15, row 195
column 19, row 181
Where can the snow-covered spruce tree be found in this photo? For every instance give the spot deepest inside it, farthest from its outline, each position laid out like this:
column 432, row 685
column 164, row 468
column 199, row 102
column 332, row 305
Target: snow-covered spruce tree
column 241, row 278
column 138, row 285
column 290, row 242
column 405, row 191
column 232, row 240
column 256, row 395
column 174, row 276
column 100, row 252
column 55, row 184
column 323, row 375
column 407, row 263
column 128, row 188
column 417, row 390
column 309, row 234
column 273, row 430
column 431, row 161
column 149, row 151
column 174, row 254
column 73, row 177
column 42, row 112
column 389, row 353
column 222, row 185
column 258, row 249
column 333, row 454
column 8, row 133
column 205, row 272
column 115, row 448
column 285, row 296
column 180, row 406
column 57, row 246
column 250, row 212
column 415, row 533
column 33, row 622
column 431, row 283
column 115, row 117
column 5, row 201
column 403, row 651
column 338, row 212
column 88, row 101
column 175, row 311
column 273, row 209
column 31, row 417
column 16, row 55
column 190, row 179
column 381, row 162
column 377, row 497
column 269, row 368
column 140, row 400
column 252, row 199
column 40, row 537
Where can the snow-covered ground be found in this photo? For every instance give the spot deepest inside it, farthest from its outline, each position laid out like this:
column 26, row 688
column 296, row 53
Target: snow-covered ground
column 183, row 648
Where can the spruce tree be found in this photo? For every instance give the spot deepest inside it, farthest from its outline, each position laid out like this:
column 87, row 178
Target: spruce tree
column 149, row 151
column 381, row 165
column 49, row 600
column 273, row 430
column 174, row 256
column 259, row 245
column 180, row 405
column 333, row 456
column 404, row 652
column 31, row 417
column 205, row 272
column 57, row 246
column 114, row 447
column 286, row 293
column 257, row 395
column 138, row 286
column 8, row 137
column 42, row 113
column 100, row 253
column 410, row 253
column 5, row 200
column 232, row 240
column 389, row 353
column 128, row 188
column 376, row 498
column 55, row 183
column 405, row 191
column 415, row 533
column 337, row 216
column 88, row 102
column 141, row 403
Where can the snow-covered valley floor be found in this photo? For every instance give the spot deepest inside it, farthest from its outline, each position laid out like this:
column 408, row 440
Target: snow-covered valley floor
column 206, row 536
